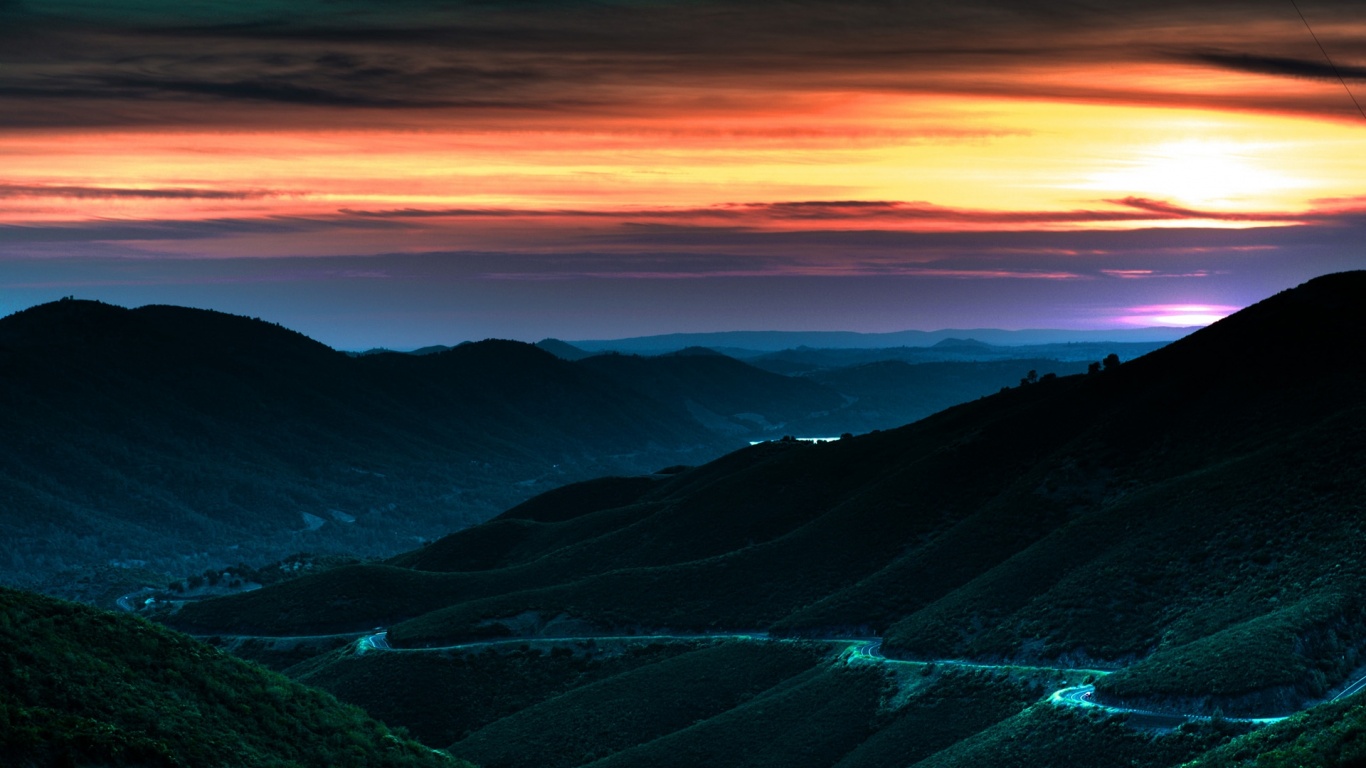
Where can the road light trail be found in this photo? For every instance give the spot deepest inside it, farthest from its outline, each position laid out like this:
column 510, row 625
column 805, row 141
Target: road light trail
column 1084, row 696
column 858, row 650
column 1351, row 689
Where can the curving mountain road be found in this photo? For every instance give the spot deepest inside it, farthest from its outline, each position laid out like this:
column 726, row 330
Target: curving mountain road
column 1084, row 696
column 125, row 602
column 858, row 650
column 379, row 641
column 861, row 650
column 1351, row 689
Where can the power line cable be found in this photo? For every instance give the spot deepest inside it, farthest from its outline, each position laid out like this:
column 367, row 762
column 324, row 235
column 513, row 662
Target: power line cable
column 1323, row 50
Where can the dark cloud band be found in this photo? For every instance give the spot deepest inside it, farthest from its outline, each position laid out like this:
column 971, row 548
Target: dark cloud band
column 165, row 65
column 1275, row 65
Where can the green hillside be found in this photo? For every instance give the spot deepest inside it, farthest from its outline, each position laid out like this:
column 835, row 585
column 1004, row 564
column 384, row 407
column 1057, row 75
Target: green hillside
column 1326, row 736
column 444, row 697
column 83, row 687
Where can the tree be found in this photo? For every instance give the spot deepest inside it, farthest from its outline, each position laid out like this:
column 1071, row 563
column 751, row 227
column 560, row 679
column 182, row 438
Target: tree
column 1030, row 378
column 1111, row 361
column 1093, row 368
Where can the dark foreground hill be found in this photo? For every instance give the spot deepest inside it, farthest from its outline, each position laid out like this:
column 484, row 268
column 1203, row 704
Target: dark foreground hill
column 181, row 439
column 82, row 687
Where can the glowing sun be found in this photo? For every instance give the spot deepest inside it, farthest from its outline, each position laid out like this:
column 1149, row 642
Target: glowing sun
column 1197, row 173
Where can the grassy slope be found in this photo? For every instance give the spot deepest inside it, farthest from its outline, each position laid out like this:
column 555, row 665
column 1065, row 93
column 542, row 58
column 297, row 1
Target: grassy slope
column 718, row 704
column 953, row 708
column 87, row 687
column 1172, row 565
column 1325, row 736
column 1047, row 735
column 444, row 697
column 635, row 706
column 810, row 720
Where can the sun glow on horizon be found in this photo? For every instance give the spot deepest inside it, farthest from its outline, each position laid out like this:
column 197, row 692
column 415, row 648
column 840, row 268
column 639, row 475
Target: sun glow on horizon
column 1201, row 172
column 1177, row 315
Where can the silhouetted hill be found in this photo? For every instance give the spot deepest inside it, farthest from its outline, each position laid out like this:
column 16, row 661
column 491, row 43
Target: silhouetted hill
column 695, row 351
column 181, row 439
column 91, row 688
column 562, row 350
column 972, row 344
column 430, row 350
column 1195, row 509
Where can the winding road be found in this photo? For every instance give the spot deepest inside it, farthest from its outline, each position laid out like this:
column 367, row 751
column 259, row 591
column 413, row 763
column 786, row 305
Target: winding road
column 858, row 650
column 1351, row 689
column 1084, row 696
column 125, row 602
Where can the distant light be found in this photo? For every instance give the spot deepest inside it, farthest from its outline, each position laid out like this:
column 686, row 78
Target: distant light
column 1187, row 320
column 799, row 439
column 1177, row 315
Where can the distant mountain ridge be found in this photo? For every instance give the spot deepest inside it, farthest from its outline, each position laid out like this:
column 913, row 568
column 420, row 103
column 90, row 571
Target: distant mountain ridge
column 956, row 343
column 775, row 341
column 562, row 350
column 750, row 343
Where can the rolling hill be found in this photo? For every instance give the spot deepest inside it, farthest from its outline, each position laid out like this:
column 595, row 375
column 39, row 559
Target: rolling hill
column 1191, row 517
column 83, row 687
column 174, row 439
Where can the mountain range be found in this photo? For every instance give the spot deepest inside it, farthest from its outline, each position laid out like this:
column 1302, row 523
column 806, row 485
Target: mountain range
column 162, row 440
column 1188, row 521
column 1065, row 570
column 751, row 343
column 177, row 439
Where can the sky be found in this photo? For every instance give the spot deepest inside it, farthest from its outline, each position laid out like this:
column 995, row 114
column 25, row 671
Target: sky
column 417, row 172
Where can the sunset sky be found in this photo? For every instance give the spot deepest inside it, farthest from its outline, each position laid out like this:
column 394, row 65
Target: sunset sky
column 418, row 172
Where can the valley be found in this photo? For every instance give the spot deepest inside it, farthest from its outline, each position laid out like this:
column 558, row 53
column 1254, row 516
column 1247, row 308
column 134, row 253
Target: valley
column 1184, row 521
column 158, row 443
column 682, row 384
column 1152, row 560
